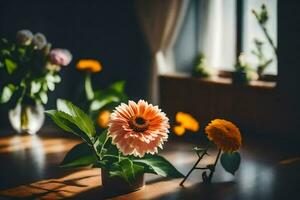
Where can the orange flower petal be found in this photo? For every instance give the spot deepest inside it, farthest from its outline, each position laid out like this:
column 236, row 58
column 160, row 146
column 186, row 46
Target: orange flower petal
column 89, row 65
column 187, row 121
column 179, row 130
column 138, row 128
column 103, row 118
column 224, row 134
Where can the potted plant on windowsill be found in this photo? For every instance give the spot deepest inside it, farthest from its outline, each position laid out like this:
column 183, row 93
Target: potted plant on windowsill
column 243, row 73
column 125, row 151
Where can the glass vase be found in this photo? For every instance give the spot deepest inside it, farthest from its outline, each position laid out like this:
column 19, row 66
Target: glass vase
column 25, row 118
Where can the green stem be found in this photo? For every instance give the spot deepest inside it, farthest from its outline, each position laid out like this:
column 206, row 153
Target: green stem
column 269, row 39
column 88, row 87
column 265, row 31
column 102, row 147
column 194, row 167
column 24, row 118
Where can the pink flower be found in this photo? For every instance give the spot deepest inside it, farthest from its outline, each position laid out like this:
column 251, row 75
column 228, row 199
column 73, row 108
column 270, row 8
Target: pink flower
column 138, row 128
column 60, row 57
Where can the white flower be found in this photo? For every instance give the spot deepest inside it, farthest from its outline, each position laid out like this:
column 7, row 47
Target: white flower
column 24, row 37
column 39, row 40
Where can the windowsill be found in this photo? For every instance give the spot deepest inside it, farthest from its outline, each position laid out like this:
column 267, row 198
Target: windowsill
column 226, row 81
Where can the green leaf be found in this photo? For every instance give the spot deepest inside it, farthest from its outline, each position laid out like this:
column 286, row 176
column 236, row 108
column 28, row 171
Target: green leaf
column 82, row 120
column 66, row 122
column 118, row 86
column 231, row 161
column 102, row 138
column 159, row 165
column 11, row 66
column 22, row 52
column 100, row 142
column 35, row 87
column 43, row 97
column 7, row 93
column 51, row 85
column 127, row 170
column 80, row 155
column 57, row 78
column 98, row 104
column 50, row 80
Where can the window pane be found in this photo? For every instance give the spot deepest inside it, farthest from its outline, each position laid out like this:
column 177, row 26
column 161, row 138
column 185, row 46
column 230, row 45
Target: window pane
column 251, row 30
column 209, row 27
column 186, row 47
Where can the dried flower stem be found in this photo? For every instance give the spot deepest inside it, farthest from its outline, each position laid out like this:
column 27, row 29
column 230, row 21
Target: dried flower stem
column 194, row 167
column 212, row 169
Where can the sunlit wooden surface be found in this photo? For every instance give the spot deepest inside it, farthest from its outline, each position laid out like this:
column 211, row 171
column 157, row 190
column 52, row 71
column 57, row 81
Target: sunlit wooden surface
column 29, row 170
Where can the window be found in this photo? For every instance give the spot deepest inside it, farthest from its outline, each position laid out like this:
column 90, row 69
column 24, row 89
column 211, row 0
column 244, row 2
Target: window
column 210, row 27
column 252, row 30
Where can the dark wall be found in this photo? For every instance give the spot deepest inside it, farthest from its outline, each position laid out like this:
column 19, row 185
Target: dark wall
column 104, row 30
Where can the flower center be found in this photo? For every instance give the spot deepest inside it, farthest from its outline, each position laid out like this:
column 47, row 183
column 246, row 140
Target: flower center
column 138, row 124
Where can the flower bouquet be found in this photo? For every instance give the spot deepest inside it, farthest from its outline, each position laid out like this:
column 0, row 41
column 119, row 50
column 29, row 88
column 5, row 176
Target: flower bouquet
column 125, row 151
column 31, row 69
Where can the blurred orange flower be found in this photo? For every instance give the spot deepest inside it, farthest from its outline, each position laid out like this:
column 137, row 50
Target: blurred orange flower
column 224, row 134
column 89, row 65
column 185, row 122
column 103, row 118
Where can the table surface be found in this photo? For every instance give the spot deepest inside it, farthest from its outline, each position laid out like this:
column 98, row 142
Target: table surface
column 29, row 170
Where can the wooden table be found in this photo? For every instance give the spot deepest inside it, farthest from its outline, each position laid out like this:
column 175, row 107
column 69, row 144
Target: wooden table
column 29, row 170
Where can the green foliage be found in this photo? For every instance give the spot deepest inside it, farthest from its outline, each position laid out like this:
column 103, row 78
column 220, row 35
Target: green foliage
column 98, row 149
column 111, row 96
column 79, row 156
column 262, row 15
column 262, row 18
column 7, row 93
column 11, row 66
column 127, row 170
column 231, row 161
column 159, row 165
column 263, row 62
column 68, row 123
column 200, row 69
column 78, row 117
column 118, row 86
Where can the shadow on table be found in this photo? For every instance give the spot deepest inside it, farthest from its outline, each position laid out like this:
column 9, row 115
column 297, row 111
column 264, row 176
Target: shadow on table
column 213, row 191
column 68, row 186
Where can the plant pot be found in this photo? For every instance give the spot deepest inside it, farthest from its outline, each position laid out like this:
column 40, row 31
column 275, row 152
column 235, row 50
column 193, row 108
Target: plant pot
column 239, row 78
column 25, row 118
column 117, row 185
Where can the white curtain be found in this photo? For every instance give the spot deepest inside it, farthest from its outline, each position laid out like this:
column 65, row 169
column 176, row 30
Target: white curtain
column 160, row 21
column 217, row 32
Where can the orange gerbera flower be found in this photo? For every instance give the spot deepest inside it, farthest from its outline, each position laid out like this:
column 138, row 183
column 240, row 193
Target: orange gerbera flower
column 138, row 128
column 89, row 65
column 103, row 118
column 224, row 134
column 185, row 122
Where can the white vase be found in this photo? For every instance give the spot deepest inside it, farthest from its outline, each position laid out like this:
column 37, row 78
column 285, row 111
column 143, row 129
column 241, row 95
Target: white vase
column 27, row 118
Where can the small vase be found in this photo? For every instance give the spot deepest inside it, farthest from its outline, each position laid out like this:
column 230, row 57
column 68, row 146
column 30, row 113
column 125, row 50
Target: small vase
column 25, row 118
column 117, row 185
